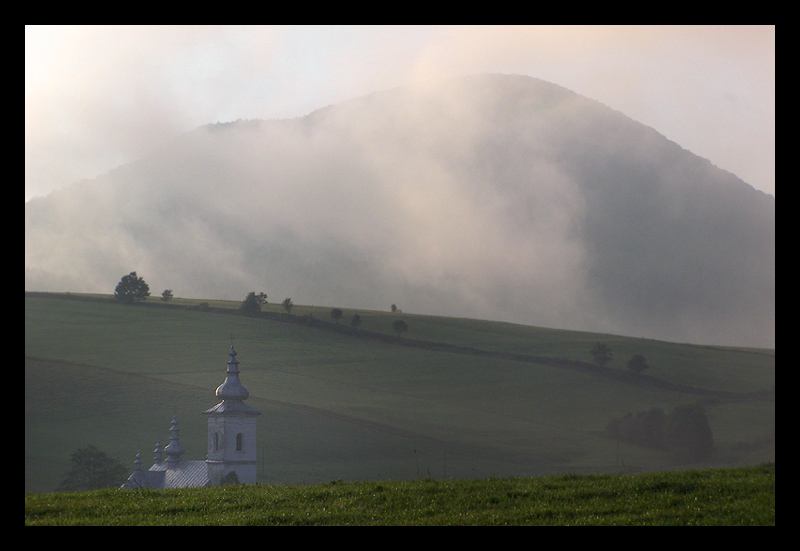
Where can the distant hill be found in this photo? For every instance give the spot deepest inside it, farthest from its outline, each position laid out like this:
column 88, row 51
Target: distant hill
column 492, row 197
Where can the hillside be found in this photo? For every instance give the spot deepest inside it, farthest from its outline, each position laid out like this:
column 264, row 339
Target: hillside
column 346, row 405
column 491, row 197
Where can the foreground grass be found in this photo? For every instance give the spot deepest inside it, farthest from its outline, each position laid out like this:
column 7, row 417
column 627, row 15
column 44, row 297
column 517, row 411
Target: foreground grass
column 744, row 496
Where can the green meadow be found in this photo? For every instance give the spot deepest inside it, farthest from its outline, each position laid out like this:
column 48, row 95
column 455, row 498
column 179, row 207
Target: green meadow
column 496, row 400
column 711, row 497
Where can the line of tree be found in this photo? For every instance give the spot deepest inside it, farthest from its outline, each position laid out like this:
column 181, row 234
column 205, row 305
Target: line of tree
column 133, row 288
column 252, row 305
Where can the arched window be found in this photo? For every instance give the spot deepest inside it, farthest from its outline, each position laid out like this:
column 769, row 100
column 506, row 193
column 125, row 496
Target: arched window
column 240, row 442
column 216, row 441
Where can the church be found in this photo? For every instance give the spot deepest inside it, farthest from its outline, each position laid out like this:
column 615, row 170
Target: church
column 231, row 444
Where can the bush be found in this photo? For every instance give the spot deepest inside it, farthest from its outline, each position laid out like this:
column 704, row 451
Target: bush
column 399, row 327
column 230, row 479
column 638, row 363
column 601, row 354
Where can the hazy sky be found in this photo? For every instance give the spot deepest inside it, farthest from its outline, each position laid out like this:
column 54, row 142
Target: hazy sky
column 97, row 97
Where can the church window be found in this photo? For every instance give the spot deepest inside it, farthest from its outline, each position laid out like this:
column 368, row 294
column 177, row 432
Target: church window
column 240, row 442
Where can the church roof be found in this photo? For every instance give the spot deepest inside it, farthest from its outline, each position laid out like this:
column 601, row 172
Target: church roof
column 184, row 474
column 228, row 406
column 171, row 473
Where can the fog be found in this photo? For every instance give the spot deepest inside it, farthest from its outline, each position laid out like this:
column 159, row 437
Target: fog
column 97, row 97
column 494, row 197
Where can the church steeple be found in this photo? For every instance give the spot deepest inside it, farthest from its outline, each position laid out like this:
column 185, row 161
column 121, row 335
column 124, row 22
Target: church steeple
column 232, row 429
column 231, row 444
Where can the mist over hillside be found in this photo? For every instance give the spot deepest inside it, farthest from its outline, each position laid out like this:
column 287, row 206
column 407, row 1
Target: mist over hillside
column 498, row 197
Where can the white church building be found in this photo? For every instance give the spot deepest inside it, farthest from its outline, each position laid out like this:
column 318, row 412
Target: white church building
column 231, row 444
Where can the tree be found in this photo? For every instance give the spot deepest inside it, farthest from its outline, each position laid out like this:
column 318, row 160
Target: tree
column 687, row 434
column 261, row 298
column 638, row 363
column 92, row 469
column 251, row 304
column 601, row 354
column 394, row 308
column 131, row 288
column 337, row 314
column 399, row 327
column 166, row 296
column 356, row 321
column 287, row 305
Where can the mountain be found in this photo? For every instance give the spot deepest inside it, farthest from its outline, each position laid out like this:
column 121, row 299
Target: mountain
column 493, row 196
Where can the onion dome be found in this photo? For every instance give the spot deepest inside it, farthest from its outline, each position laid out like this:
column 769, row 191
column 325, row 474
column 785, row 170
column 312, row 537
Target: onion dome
column 232, row 388
column 232, row 393
column 174, row 450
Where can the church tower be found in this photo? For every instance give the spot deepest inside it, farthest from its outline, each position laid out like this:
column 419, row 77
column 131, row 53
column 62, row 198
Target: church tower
column 232, row 430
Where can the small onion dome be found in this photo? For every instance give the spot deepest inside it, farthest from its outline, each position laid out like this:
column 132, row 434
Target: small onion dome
column 232, row 388
column 174, row 450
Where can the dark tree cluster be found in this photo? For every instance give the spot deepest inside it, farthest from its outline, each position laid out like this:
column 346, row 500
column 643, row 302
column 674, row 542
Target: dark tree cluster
column 92, row 469
column 685, row 433
column 251, row 304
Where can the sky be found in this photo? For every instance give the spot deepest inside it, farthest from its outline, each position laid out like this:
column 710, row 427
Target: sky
column 97, row 97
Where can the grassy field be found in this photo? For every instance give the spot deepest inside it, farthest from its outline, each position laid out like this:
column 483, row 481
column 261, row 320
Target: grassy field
column 719, row 497
column 343, row 406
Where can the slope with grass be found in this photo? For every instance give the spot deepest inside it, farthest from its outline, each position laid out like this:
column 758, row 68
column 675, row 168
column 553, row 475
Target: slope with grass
column 732, row 497
column 339, row 404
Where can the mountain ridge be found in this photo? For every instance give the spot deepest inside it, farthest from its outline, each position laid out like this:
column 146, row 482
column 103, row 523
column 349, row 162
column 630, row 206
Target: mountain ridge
column 493, row 196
